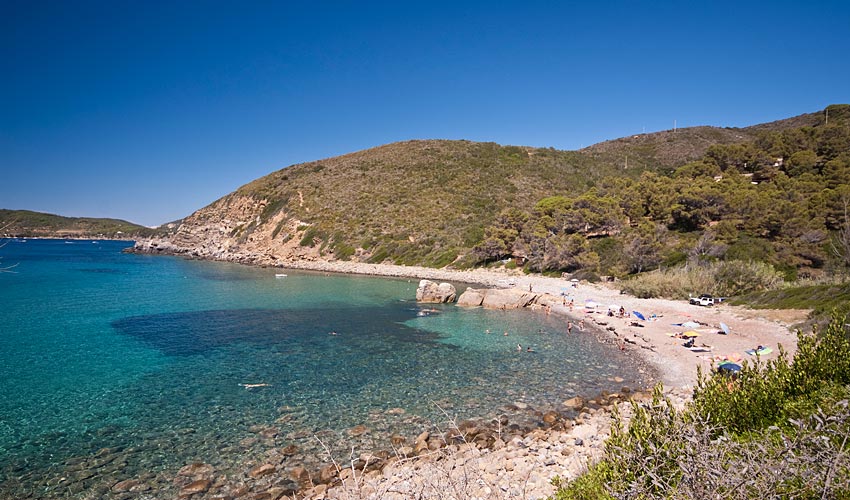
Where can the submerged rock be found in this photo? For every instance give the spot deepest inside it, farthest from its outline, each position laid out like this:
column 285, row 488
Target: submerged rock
column 262, row 470
column 199, row 486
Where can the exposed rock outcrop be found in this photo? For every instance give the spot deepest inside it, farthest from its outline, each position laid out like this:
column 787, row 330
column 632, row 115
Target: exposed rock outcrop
column 428, row 291
column 235, row 229
column 495, row 298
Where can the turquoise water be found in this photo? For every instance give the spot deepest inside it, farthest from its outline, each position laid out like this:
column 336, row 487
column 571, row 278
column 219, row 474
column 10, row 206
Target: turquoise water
column 148, row 356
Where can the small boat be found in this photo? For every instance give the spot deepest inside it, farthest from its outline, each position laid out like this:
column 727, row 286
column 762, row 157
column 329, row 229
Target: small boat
column 279, row 275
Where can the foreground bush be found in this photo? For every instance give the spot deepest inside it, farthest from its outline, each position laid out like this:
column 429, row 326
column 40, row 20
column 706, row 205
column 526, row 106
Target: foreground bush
column 778, row 430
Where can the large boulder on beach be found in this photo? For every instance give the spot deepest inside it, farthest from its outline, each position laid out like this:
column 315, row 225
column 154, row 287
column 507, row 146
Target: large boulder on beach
column 428, row 291
column 497, row 298
column 471, row 297
column 510, row 298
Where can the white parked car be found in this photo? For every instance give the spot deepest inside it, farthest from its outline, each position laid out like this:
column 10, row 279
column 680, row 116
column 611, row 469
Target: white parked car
column 702, row 300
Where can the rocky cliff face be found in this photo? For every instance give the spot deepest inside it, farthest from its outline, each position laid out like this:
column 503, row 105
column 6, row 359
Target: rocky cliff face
column 233, row 229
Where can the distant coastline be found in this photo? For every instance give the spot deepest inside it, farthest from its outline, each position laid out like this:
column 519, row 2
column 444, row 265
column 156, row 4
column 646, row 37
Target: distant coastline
column 72, row 238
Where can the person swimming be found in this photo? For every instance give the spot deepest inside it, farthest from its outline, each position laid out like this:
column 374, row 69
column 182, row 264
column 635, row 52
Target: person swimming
column 518, row 347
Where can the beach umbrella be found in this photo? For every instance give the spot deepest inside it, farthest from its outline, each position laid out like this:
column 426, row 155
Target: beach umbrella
column 690, row 324
column 690, row 333
column 728, row 367
column 724, row 328
column 638, row 315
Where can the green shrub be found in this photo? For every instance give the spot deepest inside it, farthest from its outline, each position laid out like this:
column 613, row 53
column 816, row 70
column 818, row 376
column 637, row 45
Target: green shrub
column 310, row 236
column 763, row 393
column 343, row 251
column 778, row 430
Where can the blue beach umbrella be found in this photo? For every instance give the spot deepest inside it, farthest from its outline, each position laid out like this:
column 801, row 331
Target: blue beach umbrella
column 728, row 367
column 638, row 315
column 725, row 328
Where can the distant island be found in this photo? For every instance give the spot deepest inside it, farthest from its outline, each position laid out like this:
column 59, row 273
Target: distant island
column 29, row 224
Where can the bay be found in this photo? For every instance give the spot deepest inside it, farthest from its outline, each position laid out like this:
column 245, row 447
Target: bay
column 149, row 363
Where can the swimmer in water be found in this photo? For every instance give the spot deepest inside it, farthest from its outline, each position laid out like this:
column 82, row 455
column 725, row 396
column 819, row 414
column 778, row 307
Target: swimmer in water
column 252, row 386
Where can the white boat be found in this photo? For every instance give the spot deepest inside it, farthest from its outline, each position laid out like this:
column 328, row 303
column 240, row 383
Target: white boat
column 279, row 275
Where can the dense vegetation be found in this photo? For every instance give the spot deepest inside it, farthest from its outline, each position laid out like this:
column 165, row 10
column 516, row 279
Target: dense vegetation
column 416, row 202
column 24, row 223
column 775, row 430
column 431, row 202
column 780, row 199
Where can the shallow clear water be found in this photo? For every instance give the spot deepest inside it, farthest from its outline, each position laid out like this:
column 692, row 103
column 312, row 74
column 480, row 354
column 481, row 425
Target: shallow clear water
column 146, row 356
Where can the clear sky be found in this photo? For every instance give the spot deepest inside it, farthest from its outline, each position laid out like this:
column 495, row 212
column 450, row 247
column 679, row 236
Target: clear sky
column 149, row 110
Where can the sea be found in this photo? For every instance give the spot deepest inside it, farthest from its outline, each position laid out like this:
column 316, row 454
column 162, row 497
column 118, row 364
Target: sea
column 117, row 366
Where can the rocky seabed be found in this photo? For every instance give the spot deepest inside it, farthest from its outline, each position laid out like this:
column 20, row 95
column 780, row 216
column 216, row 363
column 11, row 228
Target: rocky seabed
column 514, row 457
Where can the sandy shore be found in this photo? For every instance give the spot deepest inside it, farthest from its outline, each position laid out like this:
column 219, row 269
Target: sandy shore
column 651, row 339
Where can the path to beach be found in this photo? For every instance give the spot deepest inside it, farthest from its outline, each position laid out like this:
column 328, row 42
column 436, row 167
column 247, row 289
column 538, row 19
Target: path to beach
column 676, row 365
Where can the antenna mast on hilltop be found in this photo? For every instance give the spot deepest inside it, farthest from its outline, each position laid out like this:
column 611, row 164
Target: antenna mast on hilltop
column 674, row 125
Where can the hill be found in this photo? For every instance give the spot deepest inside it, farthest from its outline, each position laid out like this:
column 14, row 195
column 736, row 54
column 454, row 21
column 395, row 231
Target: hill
column 25, row 223
column 430, row 202
column 669, row 149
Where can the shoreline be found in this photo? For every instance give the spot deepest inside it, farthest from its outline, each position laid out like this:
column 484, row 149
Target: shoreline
column 539, row 456
column 652, row 340
column 493, row 469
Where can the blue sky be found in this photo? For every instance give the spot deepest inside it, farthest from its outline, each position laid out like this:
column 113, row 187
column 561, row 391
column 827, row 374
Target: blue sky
column 147, row 110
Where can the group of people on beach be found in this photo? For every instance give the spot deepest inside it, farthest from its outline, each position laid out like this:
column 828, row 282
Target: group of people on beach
column 570, row 326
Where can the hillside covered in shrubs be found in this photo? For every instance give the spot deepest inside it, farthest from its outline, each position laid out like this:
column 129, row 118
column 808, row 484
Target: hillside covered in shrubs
column 773, row 208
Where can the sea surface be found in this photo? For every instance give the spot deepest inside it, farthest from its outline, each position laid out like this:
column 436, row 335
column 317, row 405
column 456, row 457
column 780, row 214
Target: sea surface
column 116, row 365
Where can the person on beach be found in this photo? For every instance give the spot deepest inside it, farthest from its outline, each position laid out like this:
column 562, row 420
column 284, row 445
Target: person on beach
column 581, row 325
column 571, row 305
